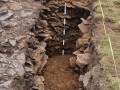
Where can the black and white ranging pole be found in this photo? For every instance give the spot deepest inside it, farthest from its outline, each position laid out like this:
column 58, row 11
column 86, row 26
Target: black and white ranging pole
column 64, row 29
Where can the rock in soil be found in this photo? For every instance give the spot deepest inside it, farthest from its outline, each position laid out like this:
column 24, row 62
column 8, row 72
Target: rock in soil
column 3, row 10
column 7, row 15
column 12, row 42
column 84, row 28
column 83, row 59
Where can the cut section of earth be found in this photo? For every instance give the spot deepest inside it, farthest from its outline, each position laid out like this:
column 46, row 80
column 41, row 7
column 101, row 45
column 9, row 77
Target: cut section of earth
column 34, row 58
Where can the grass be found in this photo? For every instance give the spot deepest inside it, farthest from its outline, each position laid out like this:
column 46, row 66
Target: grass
column 111, row 10
column 113, row 82
column 117, row 2
column 108, row 64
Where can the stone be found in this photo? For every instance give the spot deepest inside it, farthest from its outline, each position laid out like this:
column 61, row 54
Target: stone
column 18, row 68
column 81, row 78
column 28, row 69
column 30, row 33
column 69, row 5
column 89, row 18
column 42, row 49
column 72, row 62
column 15, row 6
column 21, row 58
column 35, row 88
column 1, row 30
column 56, row 24
column 85, row 21
column 3, row 10
column 28, row 66
column 37, row 57
column 7, row 15
column 43, row 35
column 76, row 52
column 21, row 45
column 43, row 23
column 4, row 0
column 34, row 54
column 43, row 44
column 45, row 8
column 39, row 82
column 6, row 84
column 87, row 36
column 83, row 28
column 12, row 72
column 2, row 55
column 82, row 49
column 47, row 38
column 80, row 5
column 79, row 43
column 83, row 59
column 87, row 50
column 43, row 62
column 85, row 78
column 5, row 24
column 19, row 38
column 13, row 68
column 86, row 41
column 26, row 13
column 12, row 42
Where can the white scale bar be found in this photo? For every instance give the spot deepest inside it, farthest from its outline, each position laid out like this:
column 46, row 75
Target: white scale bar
column 64, row 31
column 64, row 21
column 63, row 42
column 63, row 51
column 65, row 9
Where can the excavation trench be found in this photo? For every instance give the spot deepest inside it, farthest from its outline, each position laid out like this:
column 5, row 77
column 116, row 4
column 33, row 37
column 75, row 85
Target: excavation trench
column 54, row 18
column 58, row 73
column 62, row 72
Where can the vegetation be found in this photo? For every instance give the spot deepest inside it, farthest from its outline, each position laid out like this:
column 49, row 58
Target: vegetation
column 111, row 9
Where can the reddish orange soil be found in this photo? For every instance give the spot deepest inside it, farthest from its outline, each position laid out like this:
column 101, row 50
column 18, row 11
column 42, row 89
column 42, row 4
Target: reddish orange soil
column 58, row 74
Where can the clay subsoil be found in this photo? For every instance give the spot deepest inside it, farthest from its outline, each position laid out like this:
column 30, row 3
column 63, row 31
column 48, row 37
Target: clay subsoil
column 59, row 75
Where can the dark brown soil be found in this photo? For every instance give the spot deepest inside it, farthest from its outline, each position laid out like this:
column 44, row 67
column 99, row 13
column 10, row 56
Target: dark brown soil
column 58, row 74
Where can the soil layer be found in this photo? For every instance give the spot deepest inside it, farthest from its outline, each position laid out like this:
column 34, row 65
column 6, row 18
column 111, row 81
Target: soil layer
column 58, row 74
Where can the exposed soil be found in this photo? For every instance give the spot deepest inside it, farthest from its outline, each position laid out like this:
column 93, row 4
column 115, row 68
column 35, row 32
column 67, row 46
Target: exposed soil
column 58, row 74
column 40, row 35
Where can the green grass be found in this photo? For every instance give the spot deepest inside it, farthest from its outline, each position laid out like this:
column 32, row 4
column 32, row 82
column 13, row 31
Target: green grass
column 111, row 9
column 108, row 63
column 113, row 82
column 117, row 2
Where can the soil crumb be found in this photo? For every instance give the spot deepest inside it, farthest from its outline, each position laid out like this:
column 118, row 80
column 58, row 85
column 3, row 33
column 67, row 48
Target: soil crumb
column 58, row 74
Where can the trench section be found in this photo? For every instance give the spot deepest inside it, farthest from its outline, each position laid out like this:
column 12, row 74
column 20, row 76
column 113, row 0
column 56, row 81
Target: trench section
column 62, row 72
column 54, row 17
column 58, row 73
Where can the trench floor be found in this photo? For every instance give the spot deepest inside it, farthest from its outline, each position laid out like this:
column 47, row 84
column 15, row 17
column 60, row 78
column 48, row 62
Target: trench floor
column 58, row 74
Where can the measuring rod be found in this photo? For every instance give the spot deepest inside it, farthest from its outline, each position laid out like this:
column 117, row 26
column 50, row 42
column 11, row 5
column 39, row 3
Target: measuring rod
column 64, row 29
